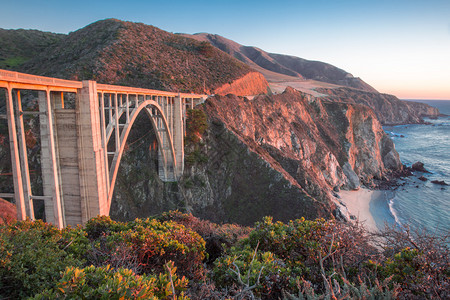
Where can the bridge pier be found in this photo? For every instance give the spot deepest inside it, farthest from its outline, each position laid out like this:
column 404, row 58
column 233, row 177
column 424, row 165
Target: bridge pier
column 91, row 156
column 178, row 134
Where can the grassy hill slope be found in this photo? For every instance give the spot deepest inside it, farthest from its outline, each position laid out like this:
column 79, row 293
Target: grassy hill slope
column 19, row 46
column 126, row 53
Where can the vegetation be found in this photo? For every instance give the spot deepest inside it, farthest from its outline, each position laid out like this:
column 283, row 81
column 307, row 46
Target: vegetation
column 106, row 283
column 177, row 256
column 196, row 125
column 19, row 46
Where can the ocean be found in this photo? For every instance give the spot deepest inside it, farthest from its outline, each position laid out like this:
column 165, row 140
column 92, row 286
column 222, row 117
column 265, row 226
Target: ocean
column 417, row 203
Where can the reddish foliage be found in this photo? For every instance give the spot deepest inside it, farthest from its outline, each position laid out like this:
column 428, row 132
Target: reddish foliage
column 8, row 212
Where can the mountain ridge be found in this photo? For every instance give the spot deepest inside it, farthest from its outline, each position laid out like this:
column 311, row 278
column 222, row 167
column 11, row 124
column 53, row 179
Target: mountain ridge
column 296, row 67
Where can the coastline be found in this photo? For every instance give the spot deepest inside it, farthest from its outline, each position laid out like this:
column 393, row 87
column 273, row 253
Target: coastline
column 370, row 207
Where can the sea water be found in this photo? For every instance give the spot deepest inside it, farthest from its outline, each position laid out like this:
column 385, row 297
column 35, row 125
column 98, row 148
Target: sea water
column 422, row 204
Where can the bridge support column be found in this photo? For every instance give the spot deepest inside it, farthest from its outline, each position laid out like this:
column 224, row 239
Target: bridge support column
column 92, row 172
column 49, row 162
column 178, row 136
column 15, row 159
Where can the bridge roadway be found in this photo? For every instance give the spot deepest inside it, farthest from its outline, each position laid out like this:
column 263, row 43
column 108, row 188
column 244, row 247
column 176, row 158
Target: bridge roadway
column 82, row 141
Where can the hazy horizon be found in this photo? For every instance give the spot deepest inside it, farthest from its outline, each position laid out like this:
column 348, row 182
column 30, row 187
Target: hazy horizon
column 398, row 47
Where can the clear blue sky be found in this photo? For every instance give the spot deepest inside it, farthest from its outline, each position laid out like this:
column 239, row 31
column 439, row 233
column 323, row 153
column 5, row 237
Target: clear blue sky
column 400, row 47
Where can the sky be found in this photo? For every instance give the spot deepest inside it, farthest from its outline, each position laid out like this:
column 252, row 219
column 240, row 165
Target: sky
column 400, row 47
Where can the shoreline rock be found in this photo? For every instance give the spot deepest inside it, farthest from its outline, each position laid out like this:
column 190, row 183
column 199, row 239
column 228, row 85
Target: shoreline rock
column 423, row 178
column 440, row 182
column 419, row 166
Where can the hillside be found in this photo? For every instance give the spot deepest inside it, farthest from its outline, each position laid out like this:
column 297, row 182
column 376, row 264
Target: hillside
column 270, row 63
column 19, row 46
column 135, row 54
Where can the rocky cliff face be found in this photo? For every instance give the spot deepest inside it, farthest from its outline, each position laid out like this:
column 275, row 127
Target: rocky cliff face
column 275, row 155
column 312, row 140
column 422, row 109
column 388, row 108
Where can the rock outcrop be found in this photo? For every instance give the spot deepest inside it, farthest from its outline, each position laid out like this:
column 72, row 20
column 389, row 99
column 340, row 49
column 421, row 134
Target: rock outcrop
column 419, row 166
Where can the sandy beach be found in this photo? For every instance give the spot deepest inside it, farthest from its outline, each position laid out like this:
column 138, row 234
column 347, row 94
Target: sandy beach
column 369, row 207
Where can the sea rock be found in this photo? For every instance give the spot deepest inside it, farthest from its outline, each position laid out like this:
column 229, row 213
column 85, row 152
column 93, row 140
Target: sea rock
column 440, row 182
column 418, row 166
column 423, row 178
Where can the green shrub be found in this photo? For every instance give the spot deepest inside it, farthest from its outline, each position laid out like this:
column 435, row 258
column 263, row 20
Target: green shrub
column 194, row 157
column 33, row 254
column 106, row 283
column 102, row 225
column 298, row 240
column 148, row 244
column 261, row 273
column 298, row 243
column 196, row 124
column 316, row 249
column 346, row 290
column 416, row 275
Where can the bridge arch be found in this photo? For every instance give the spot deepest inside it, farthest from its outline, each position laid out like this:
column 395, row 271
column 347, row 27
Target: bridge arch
column 150, row 107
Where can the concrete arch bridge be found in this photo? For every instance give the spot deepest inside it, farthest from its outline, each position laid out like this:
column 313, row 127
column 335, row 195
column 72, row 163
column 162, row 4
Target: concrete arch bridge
column 84, row 128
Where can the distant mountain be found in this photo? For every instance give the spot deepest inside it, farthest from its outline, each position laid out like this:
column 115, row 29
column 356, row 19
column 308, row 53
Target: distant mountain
column 19, row 46
column 270, row 63
column 135, row 54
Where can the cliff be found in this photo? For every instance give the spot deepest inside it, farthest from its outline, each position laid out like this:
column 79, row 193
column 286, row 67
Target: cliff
column 280, row 155
column 312, row 140
column 388, row 108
